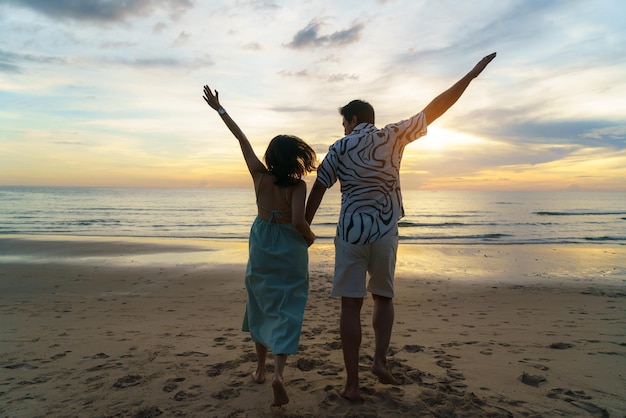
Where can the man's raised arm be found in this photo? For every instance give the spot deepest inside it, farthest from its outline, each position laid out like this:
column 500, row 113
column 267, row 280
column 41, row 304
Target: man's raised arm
column 440, row 104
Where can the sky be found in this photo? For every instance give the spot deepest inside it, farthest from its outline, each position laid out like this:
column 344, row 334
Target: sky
column 109, row 93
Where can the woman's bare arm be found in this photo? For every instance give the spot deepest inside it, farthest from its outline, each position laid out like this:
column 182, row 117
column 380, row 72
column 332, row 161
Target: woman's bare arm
column 255, row 166
column 297, row 213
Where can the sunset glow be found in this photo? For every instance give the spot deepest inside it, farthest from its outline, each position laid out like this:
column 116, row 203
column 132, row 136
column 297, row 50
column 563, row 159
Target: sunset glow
column 111, row 95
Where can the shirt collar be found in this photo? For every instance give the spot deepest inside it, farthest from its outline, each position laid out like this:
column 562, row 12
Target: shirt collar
column 363, row 127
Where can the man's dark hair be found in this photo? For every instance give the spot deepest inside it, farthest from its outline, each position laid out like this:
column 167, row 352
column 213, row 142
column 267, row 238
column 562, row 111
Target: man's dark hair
column 363, row 111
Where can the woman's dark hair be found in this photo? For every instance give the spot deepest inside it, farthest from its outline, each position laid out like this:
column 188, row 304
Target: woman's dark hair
column 289, row 158
column 363, row 111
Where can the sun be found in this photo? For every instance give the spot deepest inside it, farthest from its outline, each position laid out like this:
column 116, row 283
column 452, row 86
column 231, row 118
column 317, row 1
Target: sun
column 439, row 139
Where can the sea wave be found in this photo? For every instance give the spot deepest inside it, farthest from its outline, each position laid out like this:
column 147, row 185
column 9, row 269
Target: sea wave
column 580, row 213
column 442, row 217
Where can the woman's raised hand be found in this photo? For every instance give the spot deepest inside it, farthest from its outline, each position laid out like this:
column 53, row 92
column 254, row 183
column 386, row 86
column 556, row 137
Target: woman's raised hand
column 212, row 100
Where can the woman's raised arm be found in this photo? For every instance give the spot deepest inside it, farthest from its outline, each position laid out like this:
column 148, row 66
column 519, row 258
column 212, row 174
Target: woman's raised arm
column 255, row 166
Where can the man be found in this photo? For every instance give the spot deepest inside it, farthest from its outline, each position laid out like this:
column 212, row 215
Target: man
column 367, row 164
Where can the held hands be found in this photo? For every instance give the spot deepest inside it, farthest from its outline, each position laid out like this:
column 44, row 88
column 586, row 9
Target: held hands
column 212, row 100
column 482, row 64
column 310, row 240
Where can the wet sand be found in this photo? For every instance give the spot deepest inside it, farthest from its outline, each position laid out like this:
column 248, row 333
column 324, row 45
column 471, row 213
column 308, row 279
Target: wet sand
column 102, row 327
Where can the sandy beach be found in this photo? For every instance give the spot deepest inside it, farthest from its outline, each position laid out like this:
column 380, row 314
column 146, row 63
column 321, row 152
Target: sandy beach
column 104, row 327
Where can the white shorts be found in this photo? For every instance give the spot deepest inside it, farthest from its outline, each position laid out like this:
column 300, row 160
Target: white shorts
column 354, row 262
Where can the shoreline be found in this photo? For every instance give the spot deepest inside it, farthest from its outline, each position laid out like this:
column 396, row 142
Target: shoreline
column 575, row 264
column 101, row 327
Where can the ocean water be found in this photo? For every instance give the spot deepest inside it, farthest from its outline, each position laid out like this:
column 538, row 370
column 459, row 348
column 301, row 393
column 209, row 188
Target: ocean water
column 450, row 217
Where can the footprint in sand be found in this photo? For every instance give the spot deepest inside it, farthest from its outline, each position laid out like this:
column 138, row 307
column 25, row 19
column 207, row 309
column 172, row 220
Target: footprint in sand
column 36, row 380
column 219, row 341
column 172, row 384
column 128, row 381
column 561, row 346
column 186, row 394
column 335, row 345
column 225, row 394
column 59, row 355
column 192, row 354
column 218, row 368
column 248, row 357
column 535, row 365
column 151, row 412
column 20, row 366
column 306, row 365
column 579, row 399
column 532, row 380
column 95, row 378
column 414, row 348
column 444, row 363
column 568, row 394
column 99, row 356
column 104, row 366
column 455, row 375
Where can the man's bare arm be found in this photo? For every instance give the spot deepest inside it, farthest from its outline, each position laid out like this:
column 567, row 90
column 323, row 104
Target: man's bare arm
column 440, row 104
column 313, row 202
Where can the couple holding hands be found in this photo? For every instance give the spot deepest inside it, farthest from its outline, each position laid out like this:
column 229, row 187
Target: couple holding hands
column 366, row 162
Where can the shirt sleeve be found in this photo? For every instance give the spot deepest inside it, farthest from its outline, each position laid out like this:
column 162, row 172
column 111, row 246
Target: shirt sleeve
column 409, row 130
column 327, row 170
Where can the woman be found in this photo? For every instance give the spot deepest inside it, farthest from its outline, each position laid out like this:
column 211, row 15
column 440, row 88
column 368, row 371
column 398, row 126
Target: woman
column 277, row 279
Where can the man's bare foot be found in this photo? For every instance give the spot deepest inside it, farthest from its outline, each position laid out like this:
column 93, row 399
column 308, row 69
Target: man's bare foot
column 280, row 394
column 383, row 375
column 352, row 394
column 258, row 376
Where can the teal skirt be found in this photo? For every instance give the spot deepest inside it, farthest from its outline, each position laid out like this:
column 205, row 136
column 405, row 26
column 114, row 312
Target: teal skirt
column 277, row 282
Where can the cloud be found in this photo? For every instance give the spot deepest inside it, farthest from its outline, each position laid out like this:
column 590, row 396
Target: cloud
column 165, row 62
column 328, row 58
column 309, row 37
column 81, row 143
column 299, row 74
column 6, row 67
column 612, row 132
column 334, row 78
column 253, row 46
column 10, row 61
column 331, row 78
column 182, row 39
column 291, row 109
column 510, row 28
column 159, row 27
column 262, row 5
column 154, row 62
column 117, row 45
column 590, row 133
column 105, row 11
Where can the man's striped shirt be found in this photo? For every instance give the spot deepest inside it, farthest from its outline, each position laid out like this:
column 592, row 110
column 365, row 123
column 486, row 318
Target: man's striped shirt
column 367, row 164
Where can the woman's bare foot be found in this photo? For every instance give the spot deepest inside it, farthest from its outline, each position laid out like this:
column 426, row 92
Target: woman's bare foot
column 280, row 394
column 383, row 375
column 258, row 376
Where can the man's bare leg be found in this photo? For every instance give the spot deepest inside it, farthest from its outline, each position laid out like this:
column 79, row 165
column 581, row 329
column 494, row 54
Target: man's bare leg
column 261, row 355
column 280, row 394
column 350, row 328
column 383, row 324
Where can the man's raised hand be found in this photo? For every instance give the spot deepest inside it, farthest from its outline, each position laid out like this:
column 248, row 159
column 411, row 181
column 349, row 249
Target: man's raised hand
column 482, row 64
